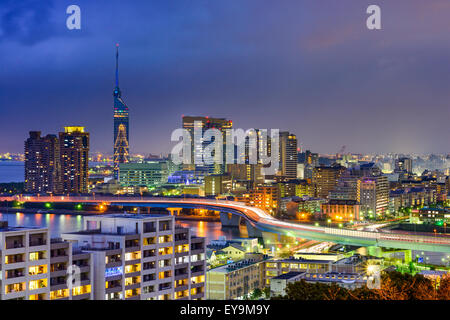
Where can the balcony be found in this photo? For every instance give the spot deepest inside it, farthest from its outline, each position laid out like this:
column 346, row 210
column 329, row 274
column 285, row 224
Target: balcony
column 37, row 242
column 149, row 227
column 14, row 246
column 165, row 286
column 83, row 296
column 132, row 294
column 14, row 242
column 114, row 289
column 133, row 248
column 12, row 259
column 59, row 259
column 12, row 274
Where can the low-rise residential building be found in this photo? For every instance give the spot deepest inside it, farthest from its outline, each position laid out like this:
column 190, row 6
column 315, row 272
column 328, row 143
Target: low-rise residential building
column 318, row 256
column 411, row 197
column 235, row 280
column 437, row 216
column 233, row 252
column 250, row 244
column 346, row 280
column 279, row 283
column 274, row 268
column 349, row 281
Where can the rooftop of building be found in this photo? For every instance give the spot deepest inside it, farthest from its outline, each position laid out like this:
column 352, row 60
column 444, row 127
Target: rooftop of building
column 302, row 199
column 4, row 227
column 131, row 216
column 407, row 190
column 335, row 277
column 237, row 265
column 342, row 202
column 301, row 260
column 236, row 246
column 439, row 209
column 99, row 232
column 324, row 254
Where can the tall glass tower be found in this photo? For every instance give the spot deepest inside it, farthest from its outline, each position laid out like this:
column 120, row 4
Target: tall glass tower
column 121, row 138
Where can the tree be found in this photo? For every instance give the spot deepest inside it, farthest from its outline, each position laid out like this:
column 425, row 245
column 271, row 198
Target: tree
column 335, row 292
column 266, row 291
column 363, row 293
column 303, row 290
column 394, row 286
column 256, row 294
column 443, row 293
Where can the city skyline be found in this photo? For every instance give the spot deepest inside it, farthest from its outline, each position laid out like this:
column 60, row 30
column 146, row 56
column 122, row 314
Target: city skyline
column 313, row 70
column 256, row 151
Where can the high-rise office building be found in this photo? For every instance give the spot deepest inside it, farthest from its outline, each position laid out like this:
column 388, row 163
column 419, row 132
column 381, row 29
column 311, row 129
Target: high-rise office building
column 205, row 123
column 347, row 186
column 288, row 155
column 308, row 157
column 374, row 196
column 121, row 124
column 325, row 179
column 218, row 184
column 366, row 185
column 42, row 164
column 74, row 151
column 403, row 165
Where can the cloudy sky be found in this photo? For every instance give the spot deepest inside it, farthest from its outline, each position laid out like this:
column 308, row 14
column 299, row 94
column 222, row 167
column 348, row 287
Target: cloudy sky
column 307, row 66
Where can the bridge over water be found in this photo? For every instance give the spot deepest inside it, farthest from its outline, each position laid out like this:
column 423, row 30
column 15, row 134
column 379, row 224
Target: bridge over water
column 259, row 223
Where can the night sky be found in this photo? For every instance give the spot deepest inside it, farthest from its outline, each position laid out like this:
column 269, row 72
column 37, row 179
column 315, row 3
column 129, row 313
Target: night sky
column 310, row 67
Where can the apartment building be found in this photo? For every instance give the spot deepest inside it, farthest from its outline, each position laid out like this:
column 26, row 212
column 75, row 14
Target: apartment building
column 341, row 210
column 235, row 280
column 35, row 268
column 325, row 179
column 274, row 268
column 349, row 281
column 264, row 197
column 64, row 262
column 142, row 257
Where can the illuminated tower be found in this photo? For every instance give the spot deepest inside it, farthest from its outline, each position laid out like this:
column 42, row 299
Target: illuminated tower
column 121, row 138
column 121, row 145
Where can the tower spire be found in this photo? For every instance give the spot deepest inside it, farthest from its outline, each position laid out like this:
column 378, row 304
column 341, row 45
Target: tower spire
column 117, row 65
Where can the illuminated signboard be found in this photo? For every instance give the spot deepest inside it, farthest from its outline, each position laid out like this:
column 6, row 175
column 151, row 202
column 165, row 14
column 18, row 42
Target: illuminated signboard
column 114, row 271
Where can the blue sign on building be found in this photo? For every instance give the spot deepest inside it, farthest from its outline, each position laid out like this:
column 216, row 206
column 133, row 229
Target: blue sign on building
column 114, row 271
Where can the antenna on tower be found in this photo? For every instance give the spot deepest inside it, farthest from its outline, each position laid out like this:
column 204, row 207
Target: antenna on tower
column 117, row 65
